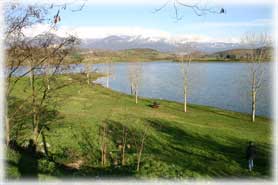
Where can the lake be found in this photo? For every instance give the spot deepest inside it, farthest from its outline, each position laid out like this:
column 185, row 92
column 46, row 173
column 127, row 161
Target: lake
column 222, row 85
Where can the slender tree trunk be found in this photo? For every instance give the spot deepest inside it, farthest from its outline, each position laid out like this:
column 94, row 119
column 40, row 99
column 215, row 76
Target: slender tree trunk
column 36, row 130
column 139, row 155
column 44, row 144
column 88, row 78
column 47, row 76
column 253, row 105
column 7, row 128
column 123, row 155
column 31, row 74
column 136, row 96
column 185, row 81
column 124, row 146
column 34, row 111
column 253, row 98
column 103, row 146
column 107, row 81
column 48, row 85
column 185, row 93
column 104, row 154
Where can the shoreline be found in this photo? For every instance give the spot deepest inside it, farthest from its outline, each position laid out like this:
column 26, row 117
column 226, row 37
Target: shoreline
column 172, row 101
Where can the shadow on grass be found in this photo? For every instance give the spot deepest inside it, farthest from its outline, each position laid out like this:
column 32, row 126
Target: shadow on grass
column 20, row 113
column 190, row 153
column 91, row 154
column 27, row 164
column 203, row 154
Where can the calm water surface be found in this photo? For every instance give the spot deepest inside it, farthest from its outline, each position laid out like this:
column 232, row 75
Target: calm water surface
column 222, row 85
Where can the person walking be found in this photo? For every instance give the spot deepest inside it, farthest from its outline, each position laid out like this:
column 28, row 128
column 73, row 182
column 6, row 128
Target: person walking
column 250, row 155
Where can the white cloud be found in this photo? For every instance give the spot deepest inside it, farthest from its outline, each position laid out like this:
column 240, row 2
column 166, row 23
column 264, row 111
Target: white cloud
column 93, row 32
column 96, row 31
column 254, row 23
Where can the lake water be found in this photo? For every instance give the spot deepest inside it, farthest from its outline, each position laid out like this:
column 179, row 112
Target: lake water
column 222, row 85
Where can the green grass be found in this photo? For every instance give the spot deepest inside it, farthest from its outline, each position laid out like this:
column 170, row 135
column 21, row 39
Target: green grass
column 203, row 143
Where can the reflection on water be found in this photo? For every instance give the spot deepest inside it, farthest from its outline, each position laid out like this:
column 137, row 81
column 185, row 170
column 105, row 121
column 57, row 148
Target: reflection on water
column 223, row 85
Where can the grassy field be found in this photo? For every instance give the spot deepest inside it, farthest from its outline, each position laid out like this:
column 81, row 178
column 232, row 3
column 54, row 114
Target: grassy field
column 203, row 143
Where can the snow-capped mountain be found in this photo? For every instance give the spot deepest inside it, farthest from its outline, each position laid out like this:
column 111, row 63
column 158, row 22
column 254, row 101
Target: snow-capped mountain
column 120, row 42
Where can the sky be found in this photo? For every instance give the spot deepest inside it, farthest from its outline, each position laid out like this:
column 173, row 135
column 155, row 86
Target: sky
column 99, row 19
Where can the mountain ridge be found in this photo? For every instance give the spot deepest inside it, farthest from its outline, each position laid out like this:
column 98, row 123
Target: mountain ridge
column 122, row 42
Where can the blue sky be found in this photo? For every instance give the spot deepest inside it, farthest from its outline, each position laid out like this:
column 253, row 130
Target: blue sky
column 96, row 19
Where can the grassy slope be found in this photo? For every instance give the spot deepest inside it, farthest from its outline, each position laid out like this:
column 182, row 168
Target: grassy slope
column 129, row 55
column 204, row 142
column 146, row 55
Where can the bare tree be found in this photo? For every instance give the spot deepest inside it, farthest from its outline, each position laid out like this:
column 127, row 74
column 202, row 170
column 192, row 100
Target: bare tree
column 258, row 43
column 103, row 133
column 185, row 64
column 88, row 66
column 35, row 52
column 139, row 143
column 124, row 143
column 135, row 75
column 17, row 18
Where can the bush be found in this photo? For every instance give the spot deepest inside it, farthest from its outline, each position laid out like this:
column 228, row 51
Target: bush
column 46, row 166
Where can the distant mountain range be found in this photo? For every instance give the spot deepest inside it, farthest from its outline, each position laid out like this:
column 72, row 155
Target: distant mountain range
column 123, row 42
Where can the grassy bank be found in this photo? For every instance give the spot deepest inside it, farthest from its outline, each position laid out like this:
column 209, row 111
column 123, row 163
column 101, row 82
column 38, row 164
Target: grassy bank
column 205, row 142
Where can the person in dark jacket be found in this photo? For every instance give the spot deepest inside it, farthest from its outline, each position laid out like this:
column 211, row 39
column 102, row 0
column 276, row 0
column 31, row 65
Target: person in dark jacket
column 250, row 155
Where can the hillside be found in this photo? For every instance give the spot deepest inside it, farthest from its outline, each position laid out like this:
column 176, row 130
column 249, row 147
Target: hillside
column 239, row 54
column 129, row 55
column 203, row 143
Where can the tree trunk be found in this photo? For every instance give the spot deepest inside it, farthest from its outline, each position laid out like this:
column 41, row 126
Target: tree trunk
column 253, row 98
column 103, row 146
column 185, row 73
column 47, row 76
column 34, row 111
column 140, row 153
column 44, row 144
column 253, row 105
column 107, row 81
column 185, row 95
column 104, row 154
column 7, row 128
column 88, row 78
column 136, row 96
column 36, row 130
column 31, row 74
column 138, row 162
column 124, row 146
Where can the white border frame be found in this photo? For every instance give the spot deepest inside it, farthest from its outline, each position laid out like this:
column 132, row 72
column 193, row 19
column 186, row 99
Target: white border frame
column 116, row 182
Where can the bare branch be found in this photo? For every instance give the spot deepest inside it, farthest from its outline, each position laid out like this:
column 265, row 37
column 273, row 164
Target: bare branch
column 81, row 7
column 197, row 9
